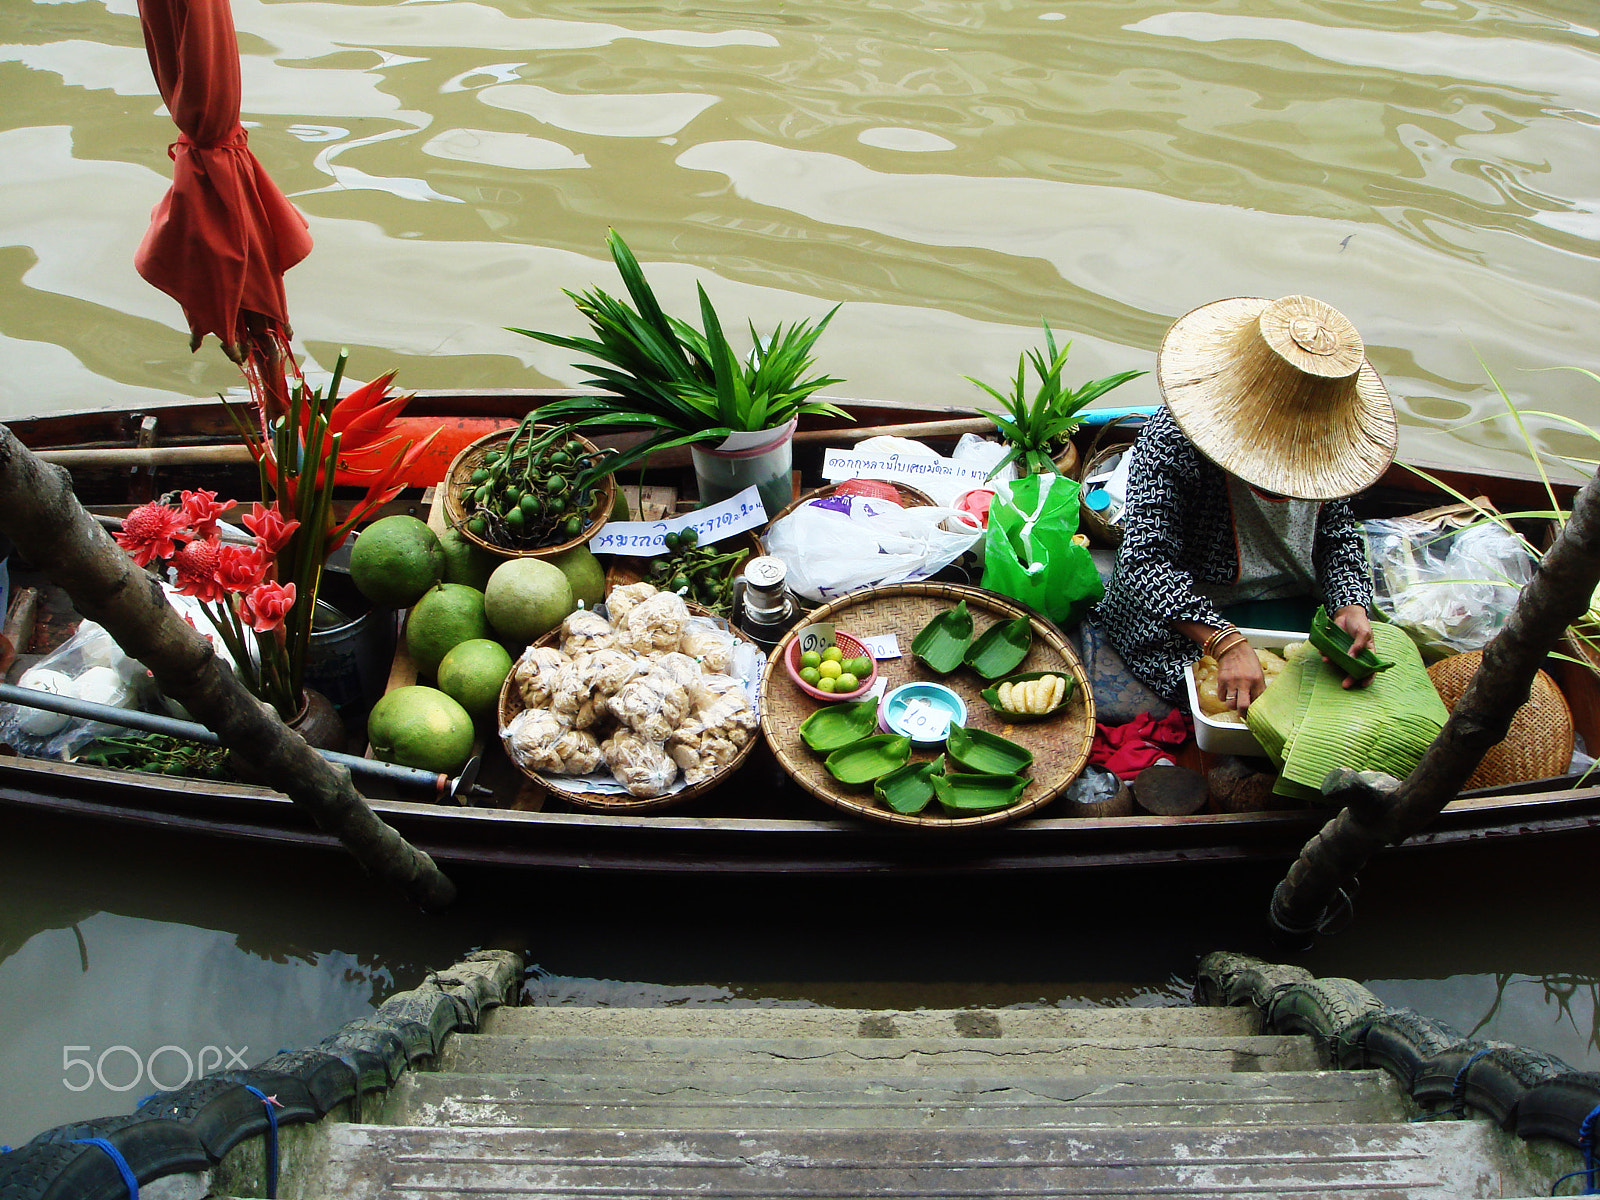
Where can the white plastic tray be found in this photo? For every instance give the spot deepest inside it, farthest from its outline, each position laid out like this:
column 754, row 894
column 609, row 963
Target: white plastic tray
column 1223, row 737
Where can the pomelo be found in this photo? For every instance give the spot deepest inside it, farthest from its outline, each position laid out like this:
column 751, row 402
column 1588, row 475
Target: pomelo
column 472, row 673
column 466, row 562
column 446, row 616
column 396, row 559
column 584, row 573
column 421, row 727
column 526, row 598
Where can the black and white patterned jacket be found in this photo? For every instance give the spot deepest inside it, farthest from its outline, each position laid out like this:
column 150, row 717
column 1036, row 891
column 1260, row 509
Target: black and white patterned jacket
column 1178, row 529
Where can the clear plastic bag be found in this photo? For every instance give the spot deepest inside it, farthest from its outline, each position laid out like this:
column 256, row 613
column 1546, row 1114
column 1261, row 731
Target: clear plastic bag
column 1450, row 589
column 87, row 666
column 840, row 543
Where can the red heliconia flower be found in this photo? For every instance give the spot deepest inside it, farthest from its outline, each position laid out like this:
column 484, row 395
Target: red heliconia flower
column 271, row 530
column 266, row 605
column 151, row 531
column 203, row 509
column 240, row 568
column 196, row 569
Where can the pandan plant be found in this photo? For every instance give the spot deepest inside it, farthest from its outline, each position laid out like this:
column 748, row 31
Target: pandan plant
column 678, row 383
column 1036, row 428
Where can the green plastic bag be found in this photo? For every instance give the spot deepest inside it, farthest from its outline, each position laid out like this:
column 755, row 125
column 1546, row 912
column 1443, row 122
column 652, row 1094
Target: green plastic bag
column 1029, row 553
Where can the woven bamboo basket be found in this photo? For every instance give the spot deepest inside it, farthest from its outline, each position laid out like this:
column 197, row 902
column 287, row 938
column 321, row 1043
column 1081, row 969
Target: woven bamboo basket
column 471, row 458
column 1060, row 744
column 511, row 703
column 1106, row 533
column 1539, row 743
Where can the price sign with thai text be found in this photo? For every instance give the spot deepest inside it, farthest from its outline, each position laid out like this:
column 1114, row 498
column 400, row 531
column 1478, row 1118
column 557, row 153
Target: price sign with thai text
column 904, row 468
column 884, row 645
column 816, row 637
column 715, row 523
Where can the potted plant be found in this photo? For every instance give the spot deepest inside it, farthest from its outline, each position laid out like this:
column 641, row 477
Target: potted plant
column 685, row 386
column 1037, row 429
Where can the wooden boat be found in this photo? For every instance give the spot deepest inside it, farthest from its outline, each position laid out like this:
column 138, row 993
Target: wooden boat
column 756, row 822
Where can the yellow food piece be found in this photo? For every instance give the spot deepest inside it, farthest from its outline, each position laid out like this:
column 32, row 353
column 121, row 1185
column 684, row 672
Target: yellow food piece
column 830, row 669
column 1032, row 696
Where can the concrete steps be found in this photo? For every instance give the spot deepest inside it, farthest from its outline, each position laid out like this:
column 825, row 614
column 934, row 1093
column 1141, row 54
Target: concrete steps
column 570, row 1102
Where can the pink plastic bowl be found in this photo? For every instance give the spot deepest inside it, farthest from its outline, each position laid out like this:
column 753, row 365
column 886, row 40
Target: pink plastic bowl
column 851, row 648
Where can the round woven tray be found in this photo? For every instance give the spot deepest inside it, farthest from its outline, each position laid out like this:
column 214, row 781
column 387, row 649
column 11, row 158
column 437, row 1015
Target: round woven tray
column 1060, row 744
column 471, row 458
column 511, row 704
column 1539, row 742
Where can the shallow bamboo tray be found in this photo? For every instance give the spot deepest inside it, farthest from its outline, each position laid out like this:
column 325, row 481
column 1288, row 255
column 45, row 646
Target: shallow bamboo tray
column 511, row 704
column 471, row 458
column 1060, row 744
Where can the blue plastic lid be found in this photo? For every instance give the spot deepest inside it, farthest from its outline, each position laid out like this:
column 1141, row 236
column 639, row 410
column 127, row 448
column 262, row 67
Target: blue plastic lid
column 1097, row 500
column 923, row 712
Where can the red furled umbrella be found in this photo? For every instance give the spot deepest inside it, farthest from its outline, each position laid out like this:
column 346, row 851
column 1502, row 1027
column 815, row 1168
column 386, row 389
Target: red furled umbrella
column 222, row 237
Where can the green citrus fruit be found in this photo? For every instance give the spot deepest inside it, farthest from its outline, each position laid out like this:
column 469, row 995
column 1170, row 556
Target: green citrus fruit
column 809, row 675
column 846, row 682
column 445, row 617
column 526, row 598
column 465, row 561
column 421, row 727
column 584, row 573
column 471, row 674
column 833, row 654
column 396, row 559
column 810, row 658
column 827, row 684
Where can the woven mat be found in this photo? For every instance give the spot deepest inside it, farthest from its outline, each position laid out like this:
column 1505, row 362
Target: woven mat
column 1539, row 742
column 1060, row 744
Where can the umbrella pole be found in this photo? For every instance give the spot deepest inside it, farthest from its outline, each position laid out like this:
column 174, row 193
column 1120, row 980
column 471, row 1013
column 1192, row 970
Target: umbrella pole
column 39, row 512
column 1378, row 810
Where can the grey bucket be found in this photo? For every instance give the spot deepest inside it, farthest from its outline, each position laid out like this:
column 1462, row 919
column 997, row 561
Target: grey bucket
column 349, row 657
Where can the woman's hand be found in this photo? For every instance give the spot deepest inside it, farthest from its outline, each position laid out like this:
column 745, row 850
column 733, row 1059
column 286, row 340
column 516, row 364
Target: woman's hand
column 1353, row 619
column 1239, row 676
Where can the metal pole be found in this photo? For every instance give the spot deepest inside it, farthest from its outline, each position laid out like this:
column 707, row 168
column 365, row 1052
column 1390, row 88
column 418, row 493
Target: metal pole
column 440, row 785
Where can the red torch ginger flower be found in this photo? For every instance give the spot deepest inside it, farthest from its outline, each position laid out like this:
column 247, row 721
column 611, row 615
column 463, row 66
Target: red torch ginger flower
column 196, row 568
column 203, row 509
column 240, row 568
column 266, row 605
column 150, row 532
column 271, row 530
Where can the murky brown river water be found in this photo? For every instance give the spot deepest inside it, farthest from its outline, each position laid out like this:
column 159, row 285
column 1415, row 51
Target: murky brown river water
column 948, row 171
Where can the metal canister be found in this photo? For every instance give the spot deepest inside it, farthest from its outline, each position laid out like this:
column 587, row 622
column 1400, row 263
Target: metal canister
column 765, row 607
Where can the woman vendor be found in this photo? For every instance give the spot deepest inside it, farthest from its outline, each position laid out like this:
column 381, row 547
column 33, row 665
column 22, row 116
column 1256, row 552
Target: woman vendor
column 1236, row 489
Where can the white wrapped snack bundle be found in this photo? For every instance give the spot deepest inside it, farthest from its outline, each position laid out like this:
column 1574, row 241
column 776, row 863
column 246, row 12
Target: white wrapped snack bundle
column 679, row 668
column 583, row 631
column 655, row 624
column 572, row 696
column 730, row 716
column 36, row 722
column 541, row 741
column 640, row 764
column 535, row 674
column 712, row 686
column 707, row 644
column 621, row 599
column 700, row 751
column 608, row 670
column 651, row 706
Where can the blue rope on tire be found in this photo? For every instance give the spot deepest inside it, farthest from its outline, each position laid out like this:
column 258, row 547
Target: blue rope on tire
column 271, row 1106
column 1586, row 1144
column 123, row 1169
column 1458, row 1086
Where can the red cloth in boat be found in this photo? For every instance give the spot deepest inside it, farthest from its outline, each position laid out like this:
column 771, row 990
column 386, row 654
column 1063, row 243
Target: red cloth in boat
column 223, row 235
column 1125, row 750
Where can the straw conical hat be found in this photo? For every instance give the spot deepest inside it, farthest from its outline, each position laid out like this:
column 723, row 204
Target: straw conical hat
column 1279, row 393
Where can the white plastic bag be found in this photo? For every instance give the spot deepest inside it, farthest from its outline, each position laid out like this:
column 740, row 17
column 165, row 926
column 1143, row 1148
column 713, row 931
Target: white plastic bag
column 1451, row 590
column 840, row 543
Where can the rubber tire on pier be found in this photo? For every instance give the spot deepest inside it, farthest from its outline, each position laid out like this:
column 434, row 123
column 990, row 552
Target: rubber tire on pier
column 1558, row 1107
column 1229, row 978
column 377, row 1052
column 329, row 1081
column 152, row 1148
column 1322, row 1009
column 1398, row 1040
column 221, row 1111
column 433, row 1013
column 1491, row 1077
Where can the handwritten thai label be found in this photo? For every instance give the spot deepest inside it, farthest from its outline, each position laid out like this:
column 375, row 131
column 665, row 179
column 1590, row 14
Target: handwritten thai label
column 907, row 468
column 645, row 539
column 885, row 645
column 816, row 637
column 924, row 721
